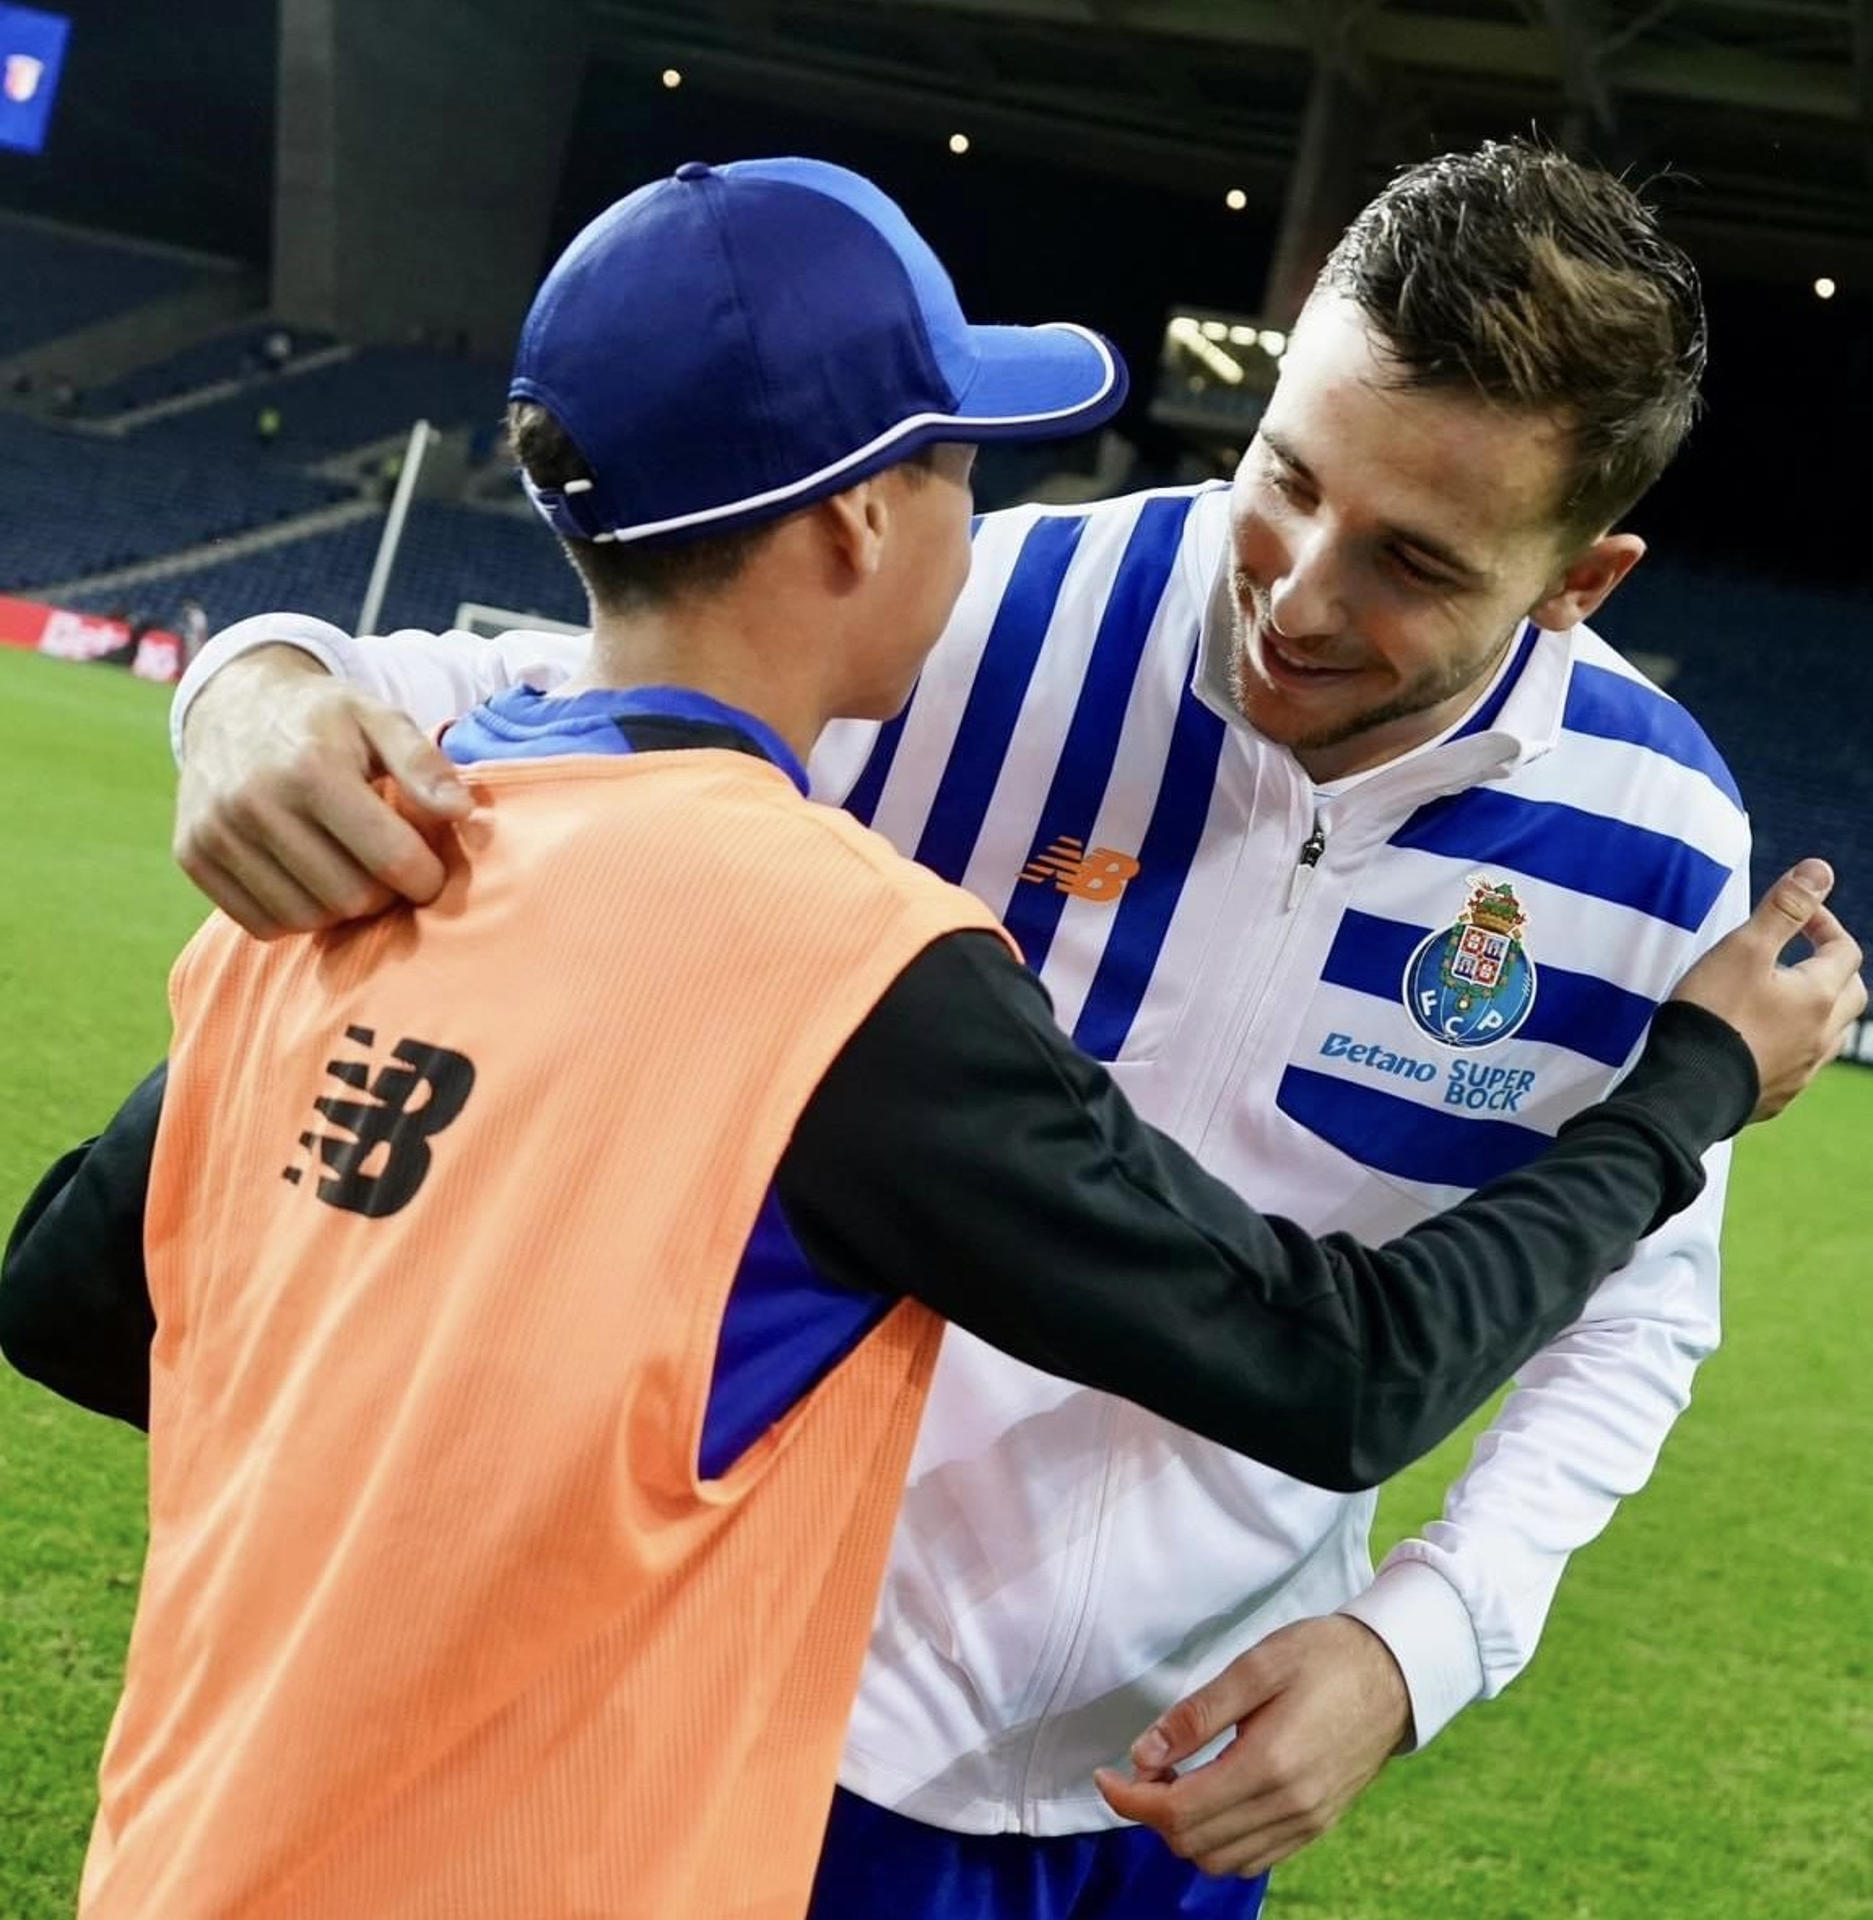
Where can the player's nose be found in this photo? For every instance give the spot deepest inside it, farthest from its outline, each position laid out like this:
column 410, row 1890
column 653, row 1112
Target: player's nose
column 1305, row 599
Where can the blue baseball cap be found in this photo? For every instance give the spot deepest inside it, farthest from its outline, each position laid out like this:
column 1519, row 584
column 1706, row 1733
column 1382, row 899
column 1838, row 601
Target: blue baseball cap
column 733, row 343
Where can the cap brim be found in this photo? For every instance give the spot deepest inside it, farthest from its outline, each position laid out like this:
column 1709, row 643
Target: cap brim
column 1030, row 383
column 1038, row 383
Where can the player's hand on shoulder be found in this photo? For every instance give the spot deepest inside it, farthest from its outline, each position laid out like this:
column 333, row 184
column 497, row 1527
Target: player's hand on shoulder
column 1793, row 1019
column 277, row 820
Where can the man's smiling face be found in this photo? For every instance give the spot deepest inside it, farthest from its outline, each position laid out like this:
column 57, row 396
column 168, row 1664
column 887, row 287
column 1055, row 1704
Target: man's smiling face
column 1388, row 542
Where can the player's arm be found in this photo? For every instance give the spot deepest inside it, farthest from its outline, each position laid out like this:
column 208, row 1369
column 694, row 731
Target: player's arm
column 282, row 725
column 1462, row 1607
column 1320, row 1705
column 1044, row 1216
column 284, row 722
column 75, row 1310
column 961, row 1149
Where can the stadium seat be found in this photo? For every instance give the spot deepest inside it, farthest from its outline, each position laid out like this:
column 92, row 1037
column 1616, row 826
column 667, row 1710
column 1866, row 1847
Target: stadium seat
column 378, row 392
column 74, row 504
column 449, row 555
column 1758, row 663
column 225, row 356
column 53, row 283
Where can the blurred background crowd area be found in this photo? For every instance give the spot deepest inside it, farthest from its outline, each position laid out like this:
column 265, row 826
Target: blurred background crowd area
column 243, row 248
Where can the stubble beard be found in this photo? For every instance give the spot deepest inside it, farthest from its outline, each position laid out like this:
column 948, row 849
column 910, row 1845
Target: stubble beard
column 1431, row 688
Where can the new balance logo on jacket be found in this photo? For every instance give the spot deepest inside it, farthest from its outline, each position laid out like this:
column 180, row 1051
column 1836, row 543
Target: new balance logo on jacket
column 1100, row 875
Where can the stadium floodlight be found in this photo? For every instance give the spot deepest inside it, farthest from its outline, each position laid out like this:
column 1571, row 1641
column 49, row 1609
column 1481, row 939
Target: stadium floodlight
column 1215, row 373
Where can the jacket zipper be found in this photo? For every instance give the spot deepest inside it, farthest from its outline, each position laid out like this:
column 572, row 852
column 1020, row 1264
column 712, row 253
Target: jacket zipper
column 1302, row 877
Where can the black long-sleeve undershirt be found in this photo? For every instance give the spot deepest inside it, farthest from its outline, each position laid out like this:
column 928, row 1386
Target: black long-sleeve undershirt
column 961, row 1150
column 75, row 1309
column 962, row 1146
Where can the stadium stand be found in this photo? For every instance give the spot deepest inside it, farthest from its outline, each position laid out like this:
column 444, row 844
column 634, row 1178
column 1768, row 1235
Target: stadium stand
column 53, row 283
column 378, row 392
column 225, row 356
column 1755, row 661
column 1777, row 676
column 73, row 504
column 449, row 555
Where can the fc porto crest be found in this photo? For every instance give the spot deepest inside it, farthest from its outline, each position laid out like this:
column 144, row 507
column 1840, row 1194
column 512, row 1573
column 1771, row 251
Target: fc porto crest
column 1474, row 984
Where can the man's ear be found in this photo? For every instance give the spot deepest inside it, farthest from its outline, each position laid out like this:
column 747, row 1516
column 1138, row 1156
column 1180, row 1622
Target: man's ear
column 1589, row 578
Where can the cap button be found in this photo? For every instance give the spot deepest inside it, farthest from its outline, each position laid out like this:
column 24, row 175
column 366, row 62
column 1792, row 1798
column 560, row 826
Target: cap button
column 695, row 170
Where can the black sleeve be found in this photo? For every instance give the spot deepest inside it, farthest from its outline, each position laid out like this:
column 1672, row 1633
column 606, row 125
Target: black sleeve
column 74, row 1296
column 961, row 1150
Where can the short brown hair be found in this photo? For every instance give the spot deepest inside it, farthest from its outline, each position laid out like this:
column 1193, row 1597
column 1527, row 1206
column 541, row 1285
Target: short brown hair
column 624, row 576
column 628, row 576
column 1534, row 281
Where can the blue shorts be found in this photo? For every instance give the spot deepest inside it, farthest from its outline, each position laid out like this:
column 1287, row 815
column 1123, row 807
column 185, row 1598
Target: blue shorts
column 877, row 1865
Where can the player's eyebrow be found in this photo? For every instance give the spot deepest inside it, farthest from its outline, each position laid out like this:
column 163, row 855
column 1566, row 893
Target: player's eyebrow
column 1465, row 572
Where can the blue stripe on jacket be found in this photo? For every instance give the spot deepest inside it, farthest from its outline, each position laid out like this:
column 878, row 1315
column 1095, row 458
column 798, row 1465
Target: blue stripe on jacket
column 1406, row 1138
column 1578, row 1011
column 1609, row 706
column 1091, row 748
column 1588, row 853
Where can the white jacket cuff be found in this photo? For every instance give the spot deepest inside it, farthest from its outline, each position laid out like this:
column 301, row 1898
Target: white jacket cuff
column 1421, row 1619
column 327, row 644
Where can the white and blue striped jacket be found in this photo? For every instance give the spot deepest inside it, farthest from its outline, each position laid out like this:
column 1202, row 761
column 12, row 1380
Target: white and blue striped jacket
column 1066, row 1565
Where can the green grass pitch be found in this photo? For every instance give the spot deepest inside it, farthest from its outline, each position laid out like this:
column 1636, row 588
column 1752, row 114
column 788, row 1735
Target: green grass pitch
column 1694, row 1742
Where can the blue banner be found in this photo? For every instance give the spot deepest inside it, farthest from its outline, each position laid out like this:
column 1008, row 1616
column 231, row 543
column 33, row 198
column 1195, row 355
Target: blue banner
column 32, row 56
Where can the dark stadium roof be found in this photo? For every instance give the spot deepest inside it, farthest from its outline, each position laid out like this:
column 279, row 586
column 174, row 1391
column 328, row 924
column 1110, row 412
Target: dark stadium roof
column 1766, row 105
